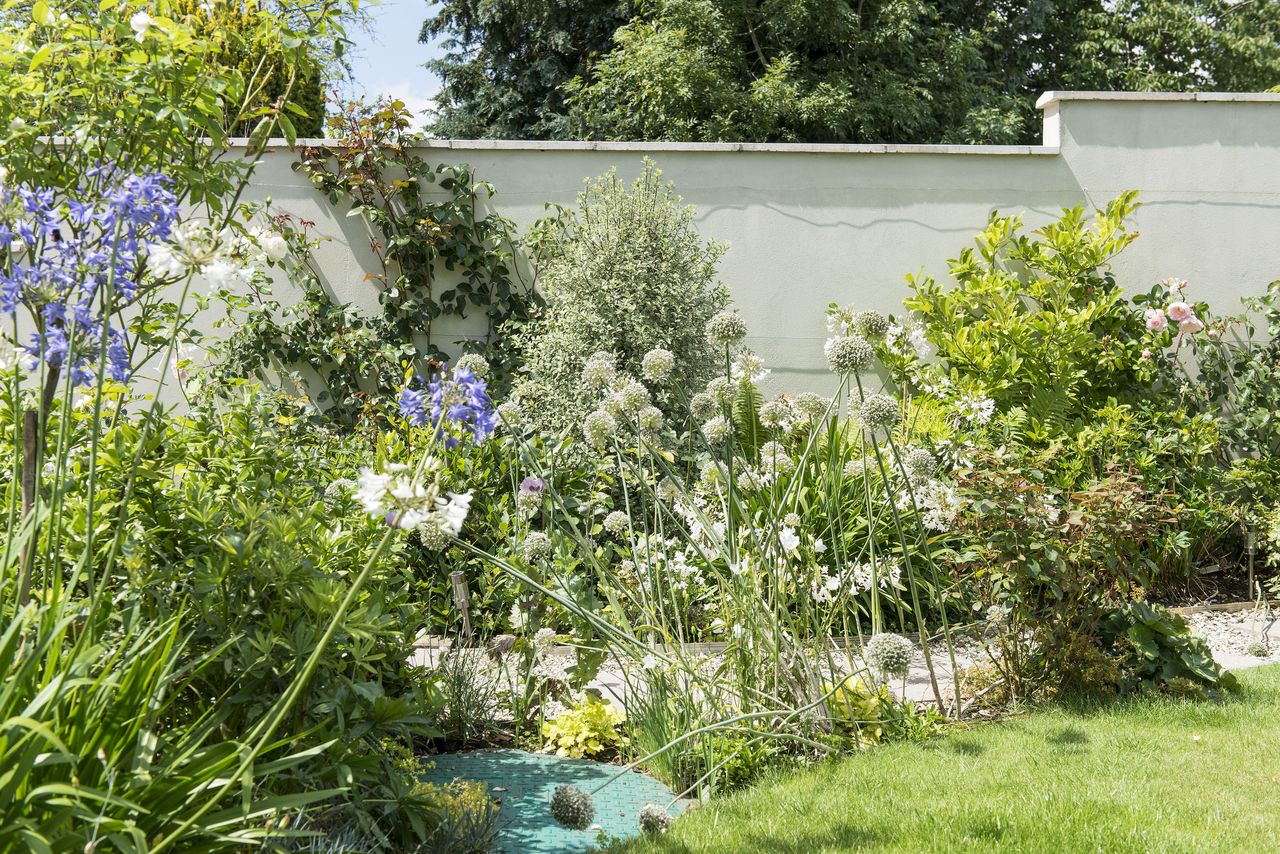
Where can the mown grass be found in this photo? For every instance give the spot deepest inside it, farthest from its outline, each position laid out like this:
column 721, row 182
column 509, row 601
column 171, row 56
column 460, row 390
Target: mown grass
column 1144, row 775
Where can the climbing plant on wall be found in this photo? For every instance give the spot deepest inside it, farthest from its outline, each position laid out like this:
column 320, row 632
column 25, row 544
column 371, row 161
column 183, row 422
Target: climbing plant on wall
column 438, row 252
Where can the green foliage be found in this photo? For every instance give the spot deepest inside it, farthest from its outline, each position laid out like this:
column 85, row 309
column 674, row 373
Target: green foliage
column 588, row 728
column 626, row 273
column 1048, row 567
column 505, row 63
column 438, row 254
column 1159, row 651
column 825, row 70
column 1038, row 325
column 230, row 531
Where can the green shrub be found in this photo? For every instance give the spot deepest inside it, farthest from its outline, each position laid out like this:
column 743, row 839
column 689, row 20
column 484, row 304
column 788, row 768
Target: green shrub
column 1158, row 652
column 1036, row 325
column 626, row 273
column 588, row 728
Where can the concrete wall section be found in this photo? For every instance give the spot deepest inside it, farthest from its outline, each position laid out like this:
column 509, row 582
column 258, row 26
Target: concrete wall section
column 808, row 225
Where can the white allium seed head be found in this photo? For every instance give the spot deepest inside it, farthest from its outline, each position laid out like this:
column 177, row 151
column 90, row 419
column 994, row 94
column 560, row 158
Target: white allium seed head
column 654, row 819
column 617, row 523
column 879, row 412
column 649, row 419
column 599, row 370
column 716, row 430
column 473, row 362
column 888, row 655
column 849, row 354
column 920, row 465
column 726, row 328
column 433, row 538
column 536, row 546
column 571, row 807
column 599, row 428
column 871, row 325
column 657, row 364
column 812, row 406
column 634, row 396
column 703, row 406
column 720, row 390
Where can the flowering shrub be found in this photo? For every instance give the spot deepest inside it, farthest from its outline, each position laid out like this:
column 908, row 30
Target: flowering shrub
column 628, row 274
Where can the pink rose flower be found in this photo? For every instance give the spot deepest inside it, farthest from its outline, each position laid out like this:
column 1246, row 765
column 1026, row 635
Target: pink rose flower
column 1156, row 321
column 1190, row 325
column 1179, row 311
column 1146, row 355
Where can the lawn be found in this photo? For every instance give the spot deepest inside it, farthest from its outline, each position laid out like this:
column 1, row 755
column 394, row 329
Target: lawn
column 1144, row 775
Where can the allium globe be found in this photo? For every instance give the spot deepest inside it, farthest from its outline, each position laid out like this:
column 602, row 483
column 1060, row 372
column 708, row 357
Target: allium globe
column 726, row 328
column 599, row 428
column 888, row 655
column 657, row 364
column 536, row 546
column 654, row 819
column 871, row 325
column 849, row 354
column 879, row 412
column 571, row 807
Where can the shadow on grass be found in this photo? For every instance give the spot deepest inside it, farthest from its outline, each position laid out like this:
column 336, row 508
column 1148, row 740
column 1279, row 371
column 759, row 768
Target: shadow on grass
column 1068, row 735
column 964, row 746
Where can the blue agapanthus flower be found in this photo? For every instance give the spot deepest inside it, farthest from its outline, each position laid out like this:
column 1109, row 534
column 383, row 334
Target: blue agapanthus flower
column 78, row 258
column 456, row 402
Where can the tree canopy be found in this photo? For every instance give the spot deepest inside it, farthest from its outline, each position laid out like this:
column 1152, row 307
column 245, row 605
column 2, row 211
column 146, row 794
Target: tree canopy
column 951, row 71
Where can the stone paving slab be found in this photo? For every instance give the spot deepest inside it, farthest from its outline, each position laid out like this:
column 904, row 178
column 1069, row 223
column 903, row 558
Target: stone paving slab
column 523, row 782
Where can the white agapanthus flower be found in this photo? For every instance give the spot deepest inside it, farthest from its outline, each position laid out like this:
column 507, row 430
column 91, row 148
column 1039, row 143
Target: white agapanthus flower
column 195, row 248
column 789, row 539
column 749, row 366
column 9, row 358
column 975, row 408
column 407, row 500
column 141, row 23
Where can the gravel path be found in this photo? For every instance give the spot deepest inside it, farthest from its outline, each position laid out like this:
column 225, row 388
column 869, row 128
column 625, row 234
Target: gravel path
column 1230, row 634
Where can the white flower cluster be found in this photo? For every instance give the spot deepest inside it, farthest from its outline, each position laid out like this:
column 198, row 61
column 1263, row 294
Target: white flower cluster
column 974, row 408
column 748, row 366
column 197, row 249
column 667, row 562
column 908, row 341
column 408, row 499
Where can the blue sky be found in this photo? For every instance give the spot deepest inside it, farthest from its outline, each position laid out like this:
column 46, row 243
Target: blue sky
column 388, row 59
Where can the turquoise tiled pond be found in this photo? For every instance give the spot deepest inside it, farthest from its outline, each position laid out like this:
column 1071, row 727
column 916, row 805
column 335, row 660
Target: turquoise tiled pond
column 525, row 825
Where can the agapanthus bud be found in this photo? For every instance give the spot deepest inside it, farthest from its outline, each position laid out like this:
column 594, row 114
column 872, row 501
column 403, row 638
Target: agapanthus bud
column 871, row 325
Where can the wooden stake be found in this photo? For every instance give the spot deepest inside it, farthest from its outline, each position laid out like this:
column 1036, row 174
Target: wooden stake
column 30, row 427
column 462, row 600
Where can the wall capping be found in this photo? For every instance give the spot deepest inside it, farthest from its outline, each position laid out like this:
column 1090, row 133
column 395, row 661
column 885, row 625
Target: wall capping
column 1050, row 98
column 276, row 144
column 1048, row 103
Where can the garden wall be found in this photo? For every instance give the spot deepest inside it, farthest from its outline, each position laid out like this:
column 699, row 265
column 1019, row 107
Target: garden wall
column 811, row 224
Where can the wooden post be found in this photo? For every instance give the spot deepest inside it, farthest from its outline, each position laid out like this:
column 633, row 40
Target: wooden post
column 30, row 427
column 462, row 600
